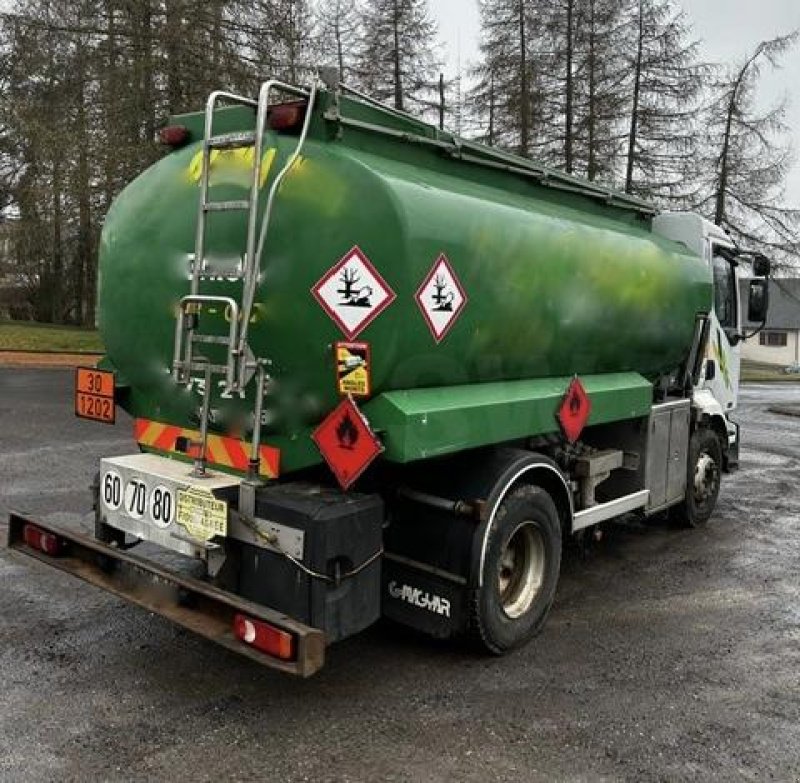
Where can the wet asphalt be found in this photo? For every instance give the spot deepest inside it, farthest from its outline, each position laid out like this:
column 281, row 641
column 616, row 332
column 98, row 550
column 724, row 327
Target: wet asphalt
column 669, row 655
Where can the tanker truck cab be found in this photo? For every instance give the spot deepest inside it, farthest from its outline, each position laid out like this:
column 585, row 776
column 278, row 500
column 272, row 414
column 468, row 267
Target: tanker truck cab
column 716, row 392
column 403, row 412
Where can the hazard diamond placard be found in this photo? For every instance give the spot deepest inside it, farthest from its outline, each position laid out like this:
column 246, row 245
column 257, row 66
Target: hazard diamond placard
column 347, row 443
column 441, row 298
column 353, row 293
column 573, row 413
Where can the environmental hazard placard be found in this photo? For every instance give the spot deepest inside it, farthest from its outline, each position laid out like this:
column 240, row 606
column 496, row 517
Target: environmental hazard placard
column 353, row 293
column 353, row 369
column 441, row 298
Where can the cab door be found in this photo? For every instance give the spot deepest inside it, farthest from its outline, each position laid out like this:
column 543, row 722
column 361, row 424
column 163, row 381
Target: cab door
column 723, row 350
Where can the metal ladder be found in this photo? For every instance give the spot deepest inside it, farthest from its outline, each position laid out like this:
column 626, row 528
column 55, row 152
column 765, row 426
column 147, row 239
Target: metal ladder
column 240, row 364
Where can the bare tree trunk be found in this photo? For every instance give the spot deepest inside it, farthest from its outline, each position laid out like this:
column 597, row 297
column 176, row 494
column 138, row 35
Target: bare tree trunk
column 592, row 114
column 173, row 32
column 441, row 101
column 569, row 96
column 637, row 85
column 525, row 106
column 57, row 255
column 398, row 83
column 490, row 138
column 83, row 257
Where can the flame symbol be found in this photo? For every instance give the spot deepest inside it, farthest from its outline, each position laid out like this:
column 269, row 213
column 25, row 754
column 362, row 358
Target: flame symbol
column 347, row 432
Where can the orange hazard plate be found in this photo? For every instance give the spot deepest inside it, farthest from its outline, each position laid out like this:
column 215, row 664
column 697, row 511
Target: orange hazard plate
column 94, row 394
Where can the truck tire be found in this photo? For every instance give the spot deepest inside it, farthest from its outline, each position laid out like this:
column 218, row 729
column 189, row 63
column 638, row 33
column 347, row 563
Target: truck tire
column 520, row 571
column 703, row 472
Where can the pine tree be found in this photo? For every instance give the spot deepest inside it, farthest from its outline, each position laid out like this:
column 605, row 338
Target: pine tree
column 666, row 90
column 747, row 159
column 396, row 61
column 338, row 35
column 507, row 90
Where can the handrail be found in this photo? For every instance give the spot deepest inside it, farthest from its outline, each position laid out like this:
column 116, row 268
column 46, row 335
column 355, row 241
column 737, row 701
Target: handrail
column 182, row 360
column 253, row 256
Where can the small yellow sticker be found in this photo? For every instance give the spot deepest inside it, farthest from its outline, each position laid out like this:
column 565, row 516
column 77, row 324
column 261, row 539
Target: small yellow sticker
column 203, row 515
column 353, row 369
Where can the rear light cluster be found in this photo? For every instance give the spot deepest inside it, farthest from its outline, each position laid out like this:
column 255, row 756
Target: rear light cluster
column 264, row 637
column 45, row 542
column 287, row 116
column 173, row 135
column 281, row 117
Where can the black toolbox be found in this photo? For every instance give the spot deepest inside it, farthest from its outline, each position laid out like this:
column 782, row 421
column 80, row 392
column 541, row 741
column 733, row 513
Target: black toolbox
column 342, row 541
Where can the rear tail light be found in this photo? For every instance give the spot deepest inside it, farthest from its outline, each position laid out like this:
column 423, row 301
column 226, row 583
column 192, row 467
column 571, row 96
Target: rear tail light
column 45, row 542
column 173, row 135
column 264, row 637
column 287, row 116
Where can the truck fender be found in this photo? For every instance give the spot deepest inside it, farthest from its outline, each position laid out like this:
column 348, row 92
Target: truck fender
column 709, row 411
column 519, row 467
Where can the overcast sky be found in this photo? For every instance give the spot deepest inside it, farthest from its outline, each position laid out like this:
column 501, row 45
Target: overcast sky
column 727, row 30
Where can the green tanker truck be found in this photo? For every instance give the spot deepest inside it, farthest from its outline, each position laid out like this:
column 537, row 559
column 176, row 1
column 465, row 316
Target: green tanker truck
column 378, row 370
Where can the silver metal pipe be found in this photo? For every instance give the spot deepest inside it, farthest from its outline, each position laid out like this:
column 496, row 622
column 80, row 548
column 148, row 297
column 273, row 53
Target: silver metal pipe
column 199, row 469
column 255, row 446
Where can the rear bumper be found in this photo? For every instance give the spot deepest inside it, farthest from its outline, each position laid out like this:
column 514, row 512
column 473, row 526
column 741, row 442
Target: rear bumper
column 190, row 603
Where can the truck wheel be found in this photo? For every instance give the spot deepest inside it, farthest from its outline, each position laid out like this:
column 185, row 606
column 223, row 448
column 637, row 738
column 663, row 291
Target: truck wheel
column 704, row 469
column 520, row 571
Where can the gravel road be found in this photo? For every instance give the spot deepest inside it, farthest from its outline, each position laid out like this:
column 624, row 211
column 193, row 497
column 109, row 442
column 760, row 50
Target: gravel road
column 669, row 655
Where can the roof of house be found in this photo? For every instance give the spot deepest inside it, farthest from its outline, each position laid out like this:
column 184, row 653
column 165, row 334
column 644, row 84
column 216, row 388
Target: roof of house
column 784, row 303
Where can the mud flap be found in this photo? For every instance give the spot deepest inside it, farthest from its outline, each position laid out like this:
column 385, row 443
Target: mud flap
column 416, row 595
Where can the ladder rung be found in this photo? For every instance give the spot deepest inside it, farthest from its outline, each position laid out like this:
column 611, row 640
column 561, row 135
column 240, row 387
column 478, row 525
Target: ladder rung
column 210, row 272
column 226, row 206
column 210, row 339
column 220, row 369
column 229, row 140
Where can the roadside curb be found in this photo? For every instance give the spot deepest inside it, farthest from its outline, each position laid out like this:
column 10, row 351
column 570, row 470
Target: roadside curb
column 785, row 410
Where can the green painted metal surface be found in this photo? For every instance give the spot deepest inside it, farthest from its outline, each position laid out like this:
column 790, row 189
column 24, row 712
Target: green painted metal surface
column 421, row 423
column 557, row 283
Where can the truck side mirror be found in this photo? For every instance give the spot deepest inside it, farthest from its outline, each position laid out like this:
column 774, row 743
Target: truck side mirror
column 761, row 267
column 758, row 301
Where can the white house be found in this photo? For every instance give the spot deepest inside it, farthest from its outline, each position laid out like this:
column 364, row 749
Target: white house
column 779, row 342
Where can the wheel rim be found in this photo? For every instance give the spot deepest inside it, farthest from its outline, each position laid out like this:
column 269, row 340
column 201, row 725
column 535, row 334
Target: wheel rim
column 706, row 477
column 521, row 569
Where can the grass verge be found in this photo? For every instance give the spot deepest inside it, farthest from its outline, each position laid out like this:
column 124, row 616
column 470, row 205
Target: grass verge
column 18, row 336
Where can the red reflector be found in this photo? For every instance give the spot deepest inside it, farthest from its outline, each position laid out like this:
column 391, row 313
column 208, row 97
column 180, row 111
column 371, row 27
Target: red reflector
column 173, row 135
column 286, row 116
column 44, row 542
column 264, row 637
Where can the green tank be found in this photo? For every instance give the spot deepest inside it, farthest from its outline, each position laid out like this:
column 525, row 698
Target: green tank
column 480, row 282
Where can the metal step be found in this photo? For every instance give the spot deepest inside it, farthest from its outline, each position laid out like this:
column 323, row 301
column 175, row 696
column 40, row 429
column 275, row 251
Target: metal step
column 220, row 369
column 225, row 141
column 226, row 206
column 210, row 339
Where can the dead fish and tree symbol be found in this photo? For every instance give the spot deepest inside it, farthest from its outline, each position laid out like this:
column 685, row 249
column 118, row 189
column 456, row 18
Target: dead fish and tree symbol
column 443, row 297
column 352, row 295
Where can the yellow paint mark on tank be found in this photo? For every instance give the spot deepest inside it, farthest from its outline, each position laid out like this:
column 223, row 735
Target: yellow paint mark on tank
column 231, row 167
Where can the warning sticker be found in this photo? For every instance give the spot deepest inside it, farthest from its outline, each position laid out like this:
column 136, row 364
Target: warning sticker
column 441, row 298
column 353, row 293
column 347, row 443
column 203, row 515
column 353, row 369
